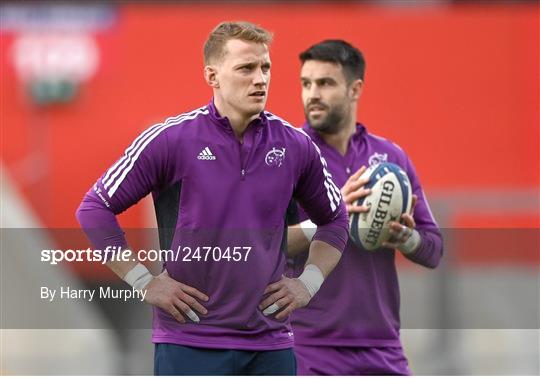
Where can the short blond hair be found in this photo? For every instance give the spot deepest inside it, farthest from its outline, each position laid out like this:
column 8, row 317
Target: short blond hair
column 214, row 47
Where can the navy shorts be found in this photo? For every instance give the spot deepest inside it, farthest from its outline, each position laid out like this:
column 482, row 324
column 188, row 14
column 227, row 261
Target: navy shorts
column 172, row 359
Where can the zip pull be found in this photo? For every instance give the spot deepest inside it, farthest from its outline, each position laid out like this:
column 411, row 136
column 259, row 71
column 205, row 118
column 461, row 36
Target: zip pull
column 243, row 172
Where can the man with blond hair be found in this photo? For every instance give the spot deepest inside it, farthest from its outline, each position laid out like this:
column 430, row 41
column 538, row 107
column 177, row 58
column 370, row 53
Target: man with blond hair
column 222, row 177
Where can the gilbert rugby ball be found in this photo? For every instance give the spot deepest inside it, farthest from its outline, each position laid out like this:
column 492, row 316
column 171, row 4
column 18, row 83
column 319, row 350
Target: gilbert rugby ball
column 390, row 197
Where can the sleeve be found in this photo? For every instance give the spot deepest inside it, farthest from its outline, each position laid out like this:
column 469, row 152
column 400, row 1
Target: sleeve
column 142, row 169
column 431, row 246
column 321, row 199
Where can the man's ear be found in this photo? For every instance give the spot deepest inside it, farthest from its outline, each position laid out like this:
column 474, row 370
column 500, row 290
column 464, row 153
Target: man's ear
column 210, row 75
column 356, row 89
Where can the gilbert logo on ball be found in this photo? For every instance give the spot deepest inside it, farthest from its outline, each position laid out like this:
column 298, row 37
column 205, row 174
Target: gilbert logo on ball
column 390, row 196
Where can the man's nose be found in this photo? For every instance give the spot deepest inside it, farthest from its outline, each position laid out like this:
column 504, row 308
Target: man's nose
column 261, row 78
column 314, row 92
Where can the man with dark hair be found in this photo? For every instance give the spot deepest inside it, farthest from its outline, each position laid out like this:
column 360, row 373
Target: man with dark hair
column 351, row 327
column 222, row 177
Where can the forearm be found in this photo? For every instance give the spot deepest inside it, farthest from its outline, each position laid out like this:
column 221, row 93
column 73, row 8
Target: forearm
column 430, row 250
column 102, row 229
column 297, row 241
column 121, row 268
column 99, row 223
column 324, row 256
column 328, row 241
column 335, row 232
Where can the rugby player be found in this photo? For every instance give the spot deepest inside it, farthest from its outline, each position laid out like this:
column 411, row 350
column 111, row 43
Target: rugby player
column 352, row 325
column 223, row 176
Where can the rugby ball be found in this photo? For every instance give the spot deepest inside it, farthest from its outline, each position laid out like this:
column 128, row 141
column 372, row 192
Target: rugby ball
column 390, row 196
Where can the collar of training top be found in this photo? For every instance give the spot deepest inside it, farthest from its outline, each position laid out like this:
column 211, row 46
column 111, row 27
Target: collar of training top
column 358, row 134
column 261, row 120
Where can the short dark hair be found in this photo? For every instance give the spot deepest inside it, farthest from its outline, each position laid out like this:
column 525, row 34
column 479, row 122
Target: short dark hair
column 340, row 52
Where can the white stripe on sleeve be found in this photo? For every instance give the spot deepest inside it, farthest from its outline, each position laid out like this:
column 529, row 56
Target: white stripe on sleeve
column 128, row 164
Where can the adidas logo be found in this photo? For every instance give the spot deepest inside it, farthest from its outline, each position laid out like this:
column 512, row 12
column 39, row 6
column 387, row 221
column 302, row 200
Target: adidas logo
column 206, row 154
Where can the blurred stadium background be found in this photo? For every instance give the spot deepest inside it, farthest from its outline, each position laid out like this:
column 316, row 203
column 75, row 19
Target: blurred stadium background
column 456, row 84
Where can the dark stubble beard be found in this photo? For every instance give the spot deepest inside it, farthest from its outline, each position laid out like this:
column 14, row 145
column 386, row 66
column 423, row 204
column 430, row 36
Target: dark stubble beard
column 332, row 123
